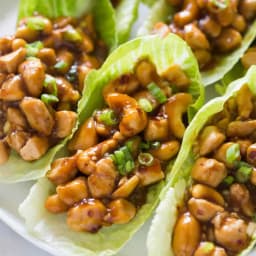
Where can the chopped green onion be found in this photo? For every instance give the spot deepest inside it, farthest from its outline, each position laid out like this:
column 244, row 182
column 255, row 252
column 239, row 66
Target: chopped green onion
column 243, row 173
column 207, row 247
column 155, row 144
column 50, row 82
column 123, row 159
column 49, row 98
column 145, row 159
column 145, row 105
column 133, row 143
column 157, row 93
column 233, row 153
column 72, row 74
column 221, row 4
column 72, row 35
column 108, row 117
column 229, row 180
column 145, row 145
column 35, row 23
column 60, row 65
column 33, row 48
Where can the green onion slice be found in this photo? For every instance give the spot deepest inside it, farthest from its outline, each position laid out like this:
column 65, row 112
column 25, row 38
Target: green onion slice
column 229, row 180
column 60, row 65
column 33, row 48
column 207, row 247
column 221, row 4
column 243, row 173
column 72, row 35
column 49, row 98
column 50, row 82
column 35, row 23
column 233, row 153
column 145, row 159
column 108, row 117
column 145, row 105
column 155, row 144
column 157, row 93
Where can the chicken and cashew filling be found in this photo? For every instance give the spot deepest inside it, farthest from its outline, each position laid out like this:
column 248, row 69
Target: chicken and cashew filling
column 122, row 149
column 217, row 217
column 212, row 28
column 42, row 71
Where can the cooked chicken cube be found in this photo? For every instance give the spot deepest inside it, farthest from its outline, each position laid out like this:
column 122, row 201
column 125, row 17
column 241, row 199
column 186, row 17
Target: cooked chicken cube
column 4, row 152
column 54, row 205
column 17, row 139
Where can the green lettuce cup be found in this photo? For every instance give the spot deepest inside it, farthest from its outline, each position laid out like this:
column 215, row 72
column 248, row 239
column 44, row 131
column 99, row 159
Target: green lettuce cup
column 162, row 11
column 16, row 169
column 52, row 229
column 161, row 237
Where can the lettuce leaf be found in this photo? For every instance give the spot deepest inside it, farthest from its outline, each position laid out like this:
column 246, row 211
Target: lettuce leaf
column 161, row 11
column 173, row 193
column 16, row 169
column 126, row 14
column 52, row 228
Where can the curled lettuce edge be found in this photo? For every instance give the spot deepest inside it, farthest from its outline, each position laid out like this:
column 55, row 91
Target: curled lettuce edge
column 161, row 12
column 52, row 228
column 16, row 169
column 160, row 233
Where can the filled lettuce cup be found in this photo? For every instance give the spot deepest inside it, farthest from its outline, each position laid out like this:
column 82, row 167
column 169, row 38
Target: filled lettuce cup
column 136, row 111
column 42, row 71
column 219, row 32
column 209, row 208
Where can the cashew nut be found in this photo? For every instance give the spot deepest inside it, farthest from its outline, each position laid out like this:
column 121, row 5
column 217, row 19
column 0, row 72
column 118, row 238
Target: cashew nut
column 176, row 106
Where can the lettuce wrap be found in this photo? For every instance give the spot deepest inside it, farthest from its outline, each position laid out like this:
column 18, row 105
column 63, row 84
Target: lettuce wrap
column 16, row 169
column 162, row 11
column 161, row 230
column 162, row 52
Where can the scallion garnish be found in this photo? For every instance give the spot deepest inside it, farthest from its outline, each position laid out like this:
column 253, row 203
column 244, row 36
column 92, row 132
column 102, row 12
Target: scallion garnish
column 33, row 48
column 49, row 98
column 108, row 117
column 243, row 173
column 233, row 153
column 145, row 159
column 221, row 4
column 123, row 159
column 207, row 247
column 148, row 145
column 157, row 93
column 145, row 105
column 50, row 83
column 35, row 23
column 155, row 144
column 60, row 65
column 72, row 35
column 72, row 74
column 229, row 180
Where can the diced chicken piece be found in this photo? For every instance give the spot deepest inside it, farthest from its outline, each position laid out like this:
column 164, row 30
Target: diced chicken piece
column 230, row 232
column 121, row 211
column 4, row 152
column 87, row 216
column 9, row 63
column 11, row 89
column 209, row 171
column 150, row 174
column 16, row 118
column 54, row 205
column 37, row 114
column 102, row 182
column 85, row 137
column 62, row 170
column 156, row 130
column 241, row 128
column 74, row 191
column 66, row 91
column 34, row 148
column 33, row 74
column 5, row 44
column 17, row 139
column 64, row 123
